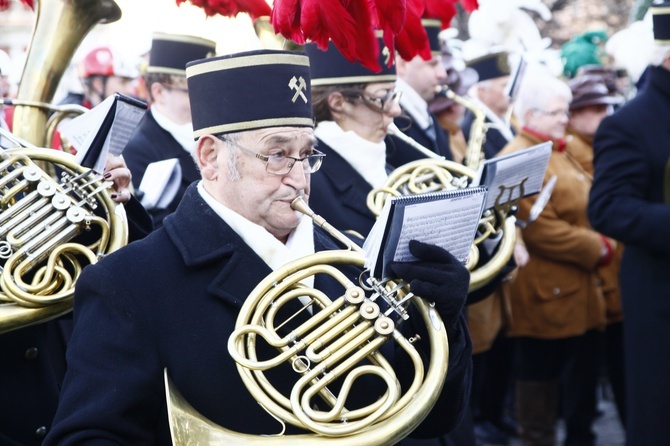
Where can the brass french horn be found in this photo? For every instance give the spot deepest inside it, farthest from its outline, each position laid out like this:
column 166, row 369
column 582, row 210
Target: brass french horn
column 435, row 174
column 329, row 346
column 50, row 228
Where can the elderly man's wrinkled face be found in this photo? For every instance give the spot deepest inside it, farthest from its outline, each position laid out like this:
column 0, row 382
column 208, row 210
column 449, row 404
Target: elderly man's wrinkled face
column 239, row 180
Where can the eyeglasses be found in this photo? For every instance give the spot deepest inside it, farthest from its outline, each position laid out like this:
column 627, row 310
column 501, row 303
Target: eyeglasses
column 554, row 113
column 382, row 103
column 175, row 88
column 278, row 164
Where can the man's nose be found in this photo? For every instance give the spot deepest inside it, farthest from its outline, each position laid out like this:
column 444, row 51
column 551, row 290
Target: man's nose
column 297, row 177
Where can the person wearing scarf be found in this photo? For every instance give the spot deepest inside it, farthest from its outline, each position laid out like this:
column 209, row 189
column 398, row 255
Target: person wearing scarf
column 166, row 131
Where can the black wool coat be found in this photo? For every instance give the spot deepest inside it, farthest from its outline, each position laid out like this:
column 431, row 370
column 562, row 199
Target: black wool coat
column 170, row 302
column 631, row 151
column 33, row 364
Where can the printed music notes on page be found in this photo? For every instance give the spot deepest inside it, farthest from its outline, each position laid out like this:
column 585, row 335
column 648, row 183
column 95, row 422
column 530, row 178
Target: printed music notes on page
column 103, row 130
column 503, row 175
column 448, row 219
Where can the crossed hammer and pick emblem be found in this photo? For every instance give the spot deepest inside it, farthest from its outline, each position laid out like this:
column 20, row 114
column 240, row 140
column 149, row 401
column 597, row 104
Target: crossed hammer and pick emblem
column 298, row 84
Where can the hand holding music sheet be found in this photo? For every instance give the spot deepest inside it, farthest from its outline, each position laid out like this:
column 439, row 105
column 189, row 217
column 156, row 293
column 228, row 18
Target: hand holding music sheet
column 448, row 219
column 105, row 129
column 510, row 170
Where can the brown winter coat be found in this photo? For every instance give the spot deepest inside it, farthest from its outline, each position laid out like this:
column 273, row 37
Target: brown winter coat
column 557, row 294
column 580, row 148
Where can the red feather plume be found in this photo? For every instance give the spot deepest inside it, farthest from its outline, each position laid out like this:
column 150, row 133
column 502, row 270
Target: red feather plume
column 349, row 24
column 230, row 8
column 412, row 39
column 4, row 4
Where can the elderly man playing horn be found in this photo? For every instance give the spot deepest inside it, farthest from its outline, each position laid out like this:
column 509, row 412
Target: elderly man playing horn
column 167, row 305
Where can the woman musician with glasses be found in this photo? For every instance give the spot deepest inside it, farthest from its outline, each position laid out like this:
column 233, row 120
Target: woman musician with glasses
column 353, row 107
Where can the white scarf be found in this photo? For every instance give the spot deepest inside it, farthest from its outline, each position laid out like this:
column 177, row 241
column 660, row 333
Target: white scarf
column 366, row 157
column 183, row 134
column 273, row 252
column 413, row 104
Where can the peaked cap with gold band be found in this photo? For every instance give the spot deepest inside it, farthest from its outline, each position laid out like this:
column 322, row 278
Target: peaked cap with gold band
column 330, row 67
column 433, row 28
column 171, row 52
column 660, row 14
column 490, row 66
column 249, row 90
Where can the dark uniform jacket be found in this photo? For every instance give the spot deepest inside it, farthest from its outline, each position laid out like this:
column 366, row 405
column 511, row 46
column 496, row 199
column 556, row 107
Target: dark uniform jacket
column 170, row 302
column 33, row 364
column 631, row 151
column 151, row 143
column 399, row 152
column 338, row 193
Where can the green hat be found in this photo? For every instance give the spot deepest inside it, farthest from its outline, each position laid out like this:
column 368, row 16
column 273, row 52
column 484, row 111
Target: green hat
column 584, row 49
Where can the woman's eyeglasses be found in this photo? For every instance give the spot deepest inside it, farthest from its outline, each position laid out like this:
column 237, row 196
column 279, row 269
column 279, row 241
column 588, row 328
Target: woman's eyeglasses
column 554, row 113
column 175, row 88
column 382, row 103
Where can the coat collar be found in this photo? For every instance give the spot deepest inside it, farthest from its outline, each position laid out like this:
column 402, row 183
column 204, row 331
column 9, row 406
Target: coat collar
column 204, row 240
column 660, row 78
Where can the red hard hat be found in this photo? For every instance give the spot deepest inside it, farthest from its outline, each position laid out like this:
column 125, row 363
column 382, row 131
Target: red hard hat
column 105, row 61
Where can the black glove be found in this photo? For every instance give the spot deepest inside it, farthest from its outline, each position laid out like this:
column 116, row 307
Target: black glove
column 437, row 277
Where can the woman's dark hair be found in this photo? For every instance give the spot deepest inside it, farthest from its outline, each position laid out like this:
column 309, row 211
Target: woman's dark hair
column 320, row 96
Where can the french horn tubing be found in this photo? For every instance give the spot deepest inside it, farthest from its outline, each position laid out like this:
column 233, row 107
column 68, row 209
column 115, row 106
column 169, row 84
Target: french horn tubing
column 328, row 347
column 434, row 173
column 50, row 226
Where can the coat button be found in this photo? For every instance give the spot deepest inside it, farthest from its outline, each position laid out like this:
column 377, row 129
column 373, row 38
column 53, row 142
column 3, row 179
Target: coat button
column 556, row 291
column 31, row 353
column 41, row 432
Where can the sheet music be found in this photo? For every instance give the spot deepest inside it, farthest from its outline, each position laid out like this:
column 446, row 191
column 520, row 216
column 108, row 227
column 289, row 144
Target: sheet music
column 81, row 130
column 510, row 170
column 104, row 129
column 126, row 119
column 448, row 219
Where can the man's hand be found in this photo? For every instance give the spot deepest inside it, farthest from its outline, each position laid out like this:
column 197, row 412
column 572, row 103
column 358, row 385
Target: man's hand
column 116, row 171
column 437, row 277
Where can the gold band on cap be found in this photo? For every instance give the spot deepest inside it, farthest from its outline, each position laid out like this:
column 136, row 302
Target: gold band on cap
column 184, row 38
column 354, row 80
column 247, row 61
column 166, row 70
column 259, row 123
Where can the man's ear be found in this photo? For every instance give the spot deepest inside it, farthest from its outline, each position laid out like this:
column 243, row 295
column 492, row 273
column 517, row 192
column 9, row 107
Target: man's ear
column 156, row 90
column 206, row 152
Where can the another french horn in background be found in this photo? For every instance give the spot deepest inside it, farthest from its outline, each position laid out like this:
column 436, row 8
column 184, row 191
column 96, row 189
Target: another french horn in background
column 55, row 216
column 434, row 174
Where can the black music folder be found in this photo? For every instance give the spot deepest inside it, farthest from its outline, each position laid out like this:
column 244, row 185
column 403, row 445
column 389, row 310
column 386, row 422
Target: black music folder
column 503, row 176
column 448, row 219
column 105, row 129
